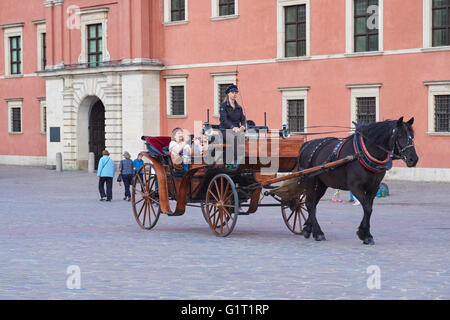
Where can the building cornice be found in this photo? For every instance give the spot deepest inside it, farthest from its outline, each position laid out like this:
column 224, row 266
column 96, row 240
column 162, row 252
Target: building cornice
column 12, row 25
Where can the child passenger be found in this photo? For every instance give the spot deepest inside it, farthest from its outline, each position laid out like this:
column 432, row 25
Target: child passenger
column 180, row 150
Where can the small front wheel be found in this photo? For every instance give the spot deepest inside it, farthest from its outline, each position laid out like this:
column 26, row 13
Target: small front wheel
column 221, row 207
column 293, row 213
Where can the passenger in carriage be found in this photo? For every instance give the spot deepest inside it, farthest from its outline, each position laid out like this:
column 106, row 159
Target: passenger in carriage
column 180, row 150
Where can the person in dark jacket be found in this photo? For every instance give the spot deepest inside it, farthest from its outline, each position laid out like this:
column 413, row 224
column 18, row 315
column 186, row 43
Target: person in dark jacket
column 231, row 113
column 126, row 168
column 232, row 117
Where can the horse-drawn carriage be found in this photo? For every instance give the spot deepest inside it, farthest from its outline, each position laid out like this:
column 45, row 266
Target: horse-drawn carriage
column 223, row 191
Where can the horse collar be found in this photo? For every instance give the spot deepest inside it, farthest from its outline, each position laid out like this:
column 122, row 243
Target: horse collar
column 366, row 159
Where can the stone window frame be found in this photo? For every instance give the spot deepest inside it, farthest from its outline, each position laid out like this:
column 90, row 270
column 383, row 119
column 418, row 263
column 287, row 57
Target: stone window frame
column 435, row 88
column 89, row 17
column 15, row 103
column 221, row 78
column 215, row 14
column 12, row 30
column 43, row 113
column 173, row 81
column 350, row 30
column 294, row 93
column 363, row 91
column 167, row 14
column 281, row 4
column 41, row 29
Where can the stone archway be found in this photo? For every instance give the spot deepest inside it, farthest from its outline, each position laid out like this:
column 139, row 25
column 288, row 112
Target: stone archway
column 90, row 130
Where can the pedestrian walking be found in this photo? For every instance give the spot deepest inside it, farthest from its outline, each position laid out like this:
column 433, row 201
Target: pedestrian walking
column 126, row 168
column 105, row 173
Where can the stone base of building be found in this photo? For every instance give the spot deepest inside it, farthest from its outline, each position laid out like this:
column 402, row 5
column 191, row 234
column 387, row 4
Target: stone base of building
column 23, row 160
column 419, row 174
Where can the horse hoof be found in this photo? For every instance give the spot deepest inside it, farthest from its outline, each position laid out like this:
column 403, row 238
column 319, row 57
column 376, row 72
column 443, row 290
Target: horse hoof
column 360, row 235
column 320, row 237
column 369, row 241
column 306, row 234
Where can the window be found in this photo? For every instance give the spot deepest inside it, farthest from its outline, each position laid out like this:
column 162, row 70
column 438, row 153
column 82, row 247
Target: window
column 364, row 102
column 438, row 107
column 177, row 101
column 441, row 23
column 95, row 54
column 365, row 26
column 176, row 95
column 94, row 48
column 14, row 116
column 16, row 55
column 366, row 109
column 175, row 12
column 226, row 7
column 294, row 108
column 12, row 34
column 296, row 115
column 41, row 44
column 293, row 24
column 43, row 115
column 44, row 51
column 442, row 113
column 295, row 31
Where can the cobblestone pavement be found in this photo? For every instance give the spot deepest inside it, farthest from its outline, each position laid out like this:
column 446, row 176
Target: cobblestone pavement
column 52, row 220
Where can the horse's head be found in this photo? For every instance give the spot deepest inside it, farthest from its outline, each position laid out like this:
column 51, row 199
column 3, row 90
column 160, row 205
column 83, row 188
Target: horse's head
column 403, row 142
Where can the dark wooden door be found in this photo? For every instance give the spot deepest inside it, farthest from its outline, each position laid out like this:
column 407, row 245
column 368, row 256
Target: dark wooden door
column 97, row 131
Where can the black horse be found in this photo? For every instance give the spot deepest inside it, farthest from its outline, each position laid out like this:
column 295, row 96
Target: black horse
column 374, row 144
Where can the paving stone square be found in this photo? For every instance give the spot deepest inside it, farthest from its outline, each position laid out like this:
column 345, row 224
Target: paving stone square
column 53, row 220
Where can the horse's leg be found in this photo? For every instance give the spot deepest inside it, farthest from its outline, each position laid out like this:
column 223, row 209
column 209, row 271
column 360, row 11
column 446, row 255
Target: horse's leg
column 364, row 228
column 314, row 193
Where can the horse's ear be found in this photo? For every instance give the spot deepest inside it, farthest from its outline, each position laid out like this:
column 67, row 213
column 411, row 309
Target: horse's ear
column 410, row 121
column 399, row 122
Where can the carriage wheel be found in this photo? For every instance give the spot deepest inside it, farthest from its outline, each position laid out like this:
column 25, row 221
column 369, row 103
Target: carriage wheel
column 221, row 206
column 145, row 197
column 293, row 213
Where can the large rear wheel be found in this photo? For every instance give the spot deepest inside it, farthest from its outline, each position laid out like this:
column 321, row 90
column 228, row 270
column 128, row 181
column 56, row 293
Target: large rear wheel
column 221, row 207
column 145, row 198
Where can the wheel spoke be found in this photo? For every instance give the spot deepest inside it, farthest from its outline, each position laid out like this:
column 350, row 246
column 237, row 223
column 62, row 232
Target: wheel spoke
column 295, row 220
column 140, row 211
column 214, row 196
column 228, row 214
column 139, row 201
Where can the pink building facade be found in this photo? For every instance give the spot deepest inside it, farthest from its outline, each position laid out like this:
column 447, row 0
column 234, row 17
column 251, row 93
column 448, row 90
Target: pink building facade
column 111, row 71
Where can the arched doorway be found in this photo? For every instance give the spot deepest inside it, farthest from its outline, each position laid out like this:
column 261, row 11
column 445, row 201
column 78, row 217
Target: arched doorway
column 97, row 130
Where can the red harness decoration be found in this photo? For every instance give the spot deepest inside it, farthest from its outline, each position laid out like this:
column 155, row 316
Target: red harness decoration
column 366, row 159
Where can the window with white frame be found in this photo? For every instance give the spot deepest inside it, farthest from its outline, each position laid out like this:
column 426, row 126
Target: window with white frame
column 364, row 26
column 13, row 47
column 222, row 9
column 364, row 102
column 294, row 108
column 15, row 116
column 43, row 107
column 41, row 45
column 438, row 107
column 176, row 96
column 221, row 81
column 94, row 45
column 175, row 11
column 293, row 25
